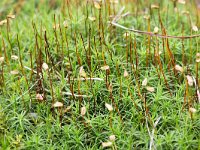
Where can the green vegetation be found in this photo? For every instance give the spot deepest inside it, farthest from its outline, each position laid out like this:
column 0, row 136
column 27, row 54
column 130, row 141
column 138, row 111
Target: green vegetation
column 99, row 74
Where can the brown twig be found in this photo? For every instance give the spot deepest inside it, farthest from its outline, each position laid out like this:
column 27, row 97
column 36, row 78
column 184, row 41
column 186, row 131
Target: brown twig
column 152, row 34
